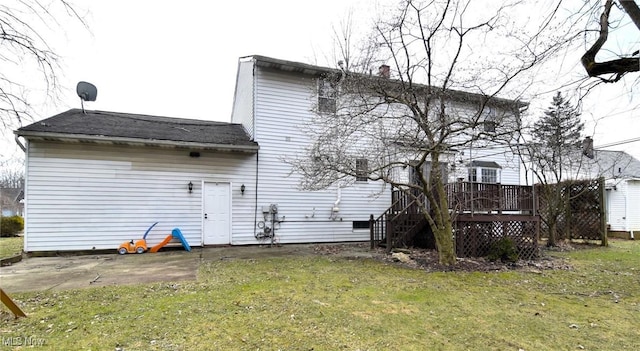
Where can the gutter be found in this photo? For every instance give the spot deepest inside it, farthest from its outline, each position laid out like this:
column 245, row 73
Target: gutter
column 136, row 141
column 20, row 144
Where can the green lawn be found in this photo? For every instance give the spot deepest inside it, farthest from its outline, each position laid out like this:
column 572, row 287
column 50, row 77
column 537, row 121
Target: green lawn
column 320, row 303
column 11, row 246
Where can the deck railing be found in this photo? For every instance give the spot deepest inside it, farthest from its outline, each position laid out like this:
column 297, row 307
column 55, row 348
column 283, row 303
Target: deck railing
column 481, row 197
column 402, row 218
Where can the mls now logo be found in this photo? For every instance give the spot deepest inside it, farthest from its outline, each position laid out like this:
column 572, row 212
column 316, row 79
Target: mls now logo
column 22, row 341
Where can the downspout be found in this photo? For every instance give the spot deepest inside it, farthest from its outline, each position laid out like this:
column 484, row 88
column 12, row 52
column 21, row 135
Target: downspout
column 253, row 126
column 25, row 210
column 20, row 144
column 335, row 204
column 255, row 209
column 335, row 209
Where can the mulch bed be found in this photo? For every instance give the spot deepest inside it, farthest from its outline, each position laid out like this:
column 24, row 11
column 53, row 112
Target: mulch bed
column 427, row 260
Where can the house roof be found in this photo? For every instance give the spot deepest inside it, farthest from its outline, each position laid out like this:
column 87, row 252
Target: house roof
column 304, row 68
column 136, row 129
column 290, row 66
column 617, row 164
column 13, row 194
column 485, row 164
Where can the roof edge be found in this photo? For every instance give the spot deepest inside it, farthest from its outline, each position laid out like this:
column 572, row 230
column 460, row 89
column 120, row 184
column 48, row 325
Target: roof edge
column 139, row 141
column 314, row 70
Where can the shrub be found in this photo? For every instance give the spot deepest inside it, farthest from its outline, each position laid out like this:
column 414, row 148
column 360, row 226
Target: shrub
column 503, row 250
column 10, row 226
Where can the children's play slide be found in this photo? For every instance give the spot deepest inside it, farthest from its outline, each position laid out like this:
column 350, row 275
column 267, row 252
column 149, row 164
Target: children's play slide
column 175, row 233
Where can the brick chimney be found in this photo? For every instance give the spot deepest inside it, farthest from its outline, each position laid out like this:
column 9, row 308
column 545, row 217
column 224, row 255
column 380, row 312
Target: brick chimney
column 384, row 71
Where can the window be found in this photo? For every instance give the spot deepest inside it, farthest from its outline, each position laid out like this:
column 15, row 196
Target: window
column 426, row 171
column 489, row 172
column 362, row 170
column 472, row 175
column 360, row 224
column 489, row 175
column 489, row 120
column 326, row 96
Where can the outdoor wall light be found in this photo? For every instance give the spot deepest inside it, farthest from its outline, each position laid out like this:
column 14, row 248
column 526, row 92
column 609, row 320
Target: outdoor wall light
column 190, row 185
column 242, row 188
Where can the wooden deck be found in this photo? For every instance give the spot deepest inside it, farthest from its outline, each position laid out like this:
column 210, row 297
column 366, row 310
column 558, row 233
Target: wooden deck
column 489, row 211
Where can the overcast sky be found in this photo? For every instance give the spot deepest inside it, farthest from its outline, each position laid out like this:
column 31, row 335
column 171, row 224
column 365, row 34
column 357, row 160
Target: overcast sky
column 179, row 58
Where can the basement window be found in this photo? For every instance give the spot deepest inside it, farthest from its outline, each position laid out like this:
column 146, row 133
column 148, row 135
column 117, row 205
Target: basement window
column 360, row 225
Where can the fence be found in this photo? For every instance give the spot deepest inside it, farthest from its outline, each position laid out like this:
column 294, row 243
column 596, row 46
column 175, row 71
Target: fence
column 582, row 204
column 475, row 235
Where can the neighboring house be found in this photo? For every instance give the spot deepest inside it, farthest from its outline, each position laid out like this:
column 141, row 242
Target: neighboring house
column 11, row 201
column 621, row 172
column 96, row 179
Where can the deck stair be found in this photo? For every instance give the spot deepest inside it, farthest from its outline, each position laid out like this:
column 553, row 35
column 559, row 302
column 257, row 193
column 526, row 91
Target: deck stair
column 397, row 226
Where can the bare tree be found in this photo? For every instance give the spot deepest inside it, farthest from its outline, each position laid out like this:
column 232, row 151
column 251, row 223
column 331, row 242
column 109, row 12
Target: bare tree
column 436, row 91
column 25, row 29
column 12, row 178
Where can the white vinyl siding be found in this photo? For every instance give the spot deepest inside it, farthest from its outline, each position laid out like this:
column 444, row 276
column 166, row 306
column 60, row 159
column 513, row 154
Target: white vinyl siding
column 623, row 205
column 283, row 104
column 633, row 206
column 243, row 99
column 616, row 202
column 86, row 196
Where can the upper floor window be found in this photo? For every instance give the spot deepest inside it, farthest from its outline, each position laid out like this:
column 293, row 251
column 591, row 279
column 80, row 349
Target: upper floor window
column 362, row 169
column 414, row 176
column 326, row 96
column 490, row 120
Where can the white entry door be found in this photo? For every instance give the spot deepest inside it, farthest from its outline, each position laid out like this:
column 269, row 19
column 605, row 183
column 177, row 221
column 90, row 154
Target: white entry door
column 217, row 213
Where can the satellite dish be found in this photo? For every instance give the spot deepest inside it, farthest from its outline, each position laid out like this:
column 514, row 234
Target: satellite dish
column 87, row 92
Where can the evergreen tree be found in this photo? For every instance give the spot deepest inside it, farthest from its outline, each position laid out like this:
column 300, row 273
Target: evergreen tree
column 558, row 132
column 557, row 136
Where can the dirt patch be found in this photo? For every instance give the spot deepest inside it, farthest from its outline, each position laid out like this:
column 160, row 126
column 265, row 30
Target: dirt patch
column 427, row 260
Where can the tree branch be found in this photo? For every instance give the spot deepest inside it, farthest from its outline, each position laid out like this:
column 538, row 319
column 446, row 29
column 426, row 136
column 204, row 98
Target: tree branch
column 618, row 67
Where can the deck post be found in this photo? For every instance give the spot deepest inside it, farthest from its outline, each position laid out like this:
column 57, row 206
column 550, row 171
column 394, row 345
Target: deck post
column 371, row 234
column 603, row 212
column 389, row 232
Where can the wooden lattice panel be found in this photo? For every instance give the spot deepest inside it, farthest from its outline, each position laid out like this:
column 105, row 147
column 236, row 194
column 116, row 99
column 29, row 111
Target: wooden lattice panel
column 476, row 235
column 583, row 214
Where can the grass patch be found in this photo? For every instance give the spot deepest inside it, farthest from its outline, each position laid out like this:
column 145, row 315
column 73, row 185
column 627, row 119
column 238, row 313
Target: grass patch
column 320, row 303
column 11, row 246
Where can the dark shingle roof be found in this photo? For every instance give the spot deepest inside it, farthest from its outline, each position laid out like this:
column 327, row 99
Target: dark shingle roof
column 485, row 164
column 313, row 70
column 102, row 125
column 617, row 164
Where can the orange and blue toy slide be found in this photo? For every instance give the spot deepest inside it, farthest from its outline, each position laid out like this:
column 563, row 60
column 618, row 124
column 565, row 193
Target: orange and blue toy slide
column 161, row 244
column 175, row 233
